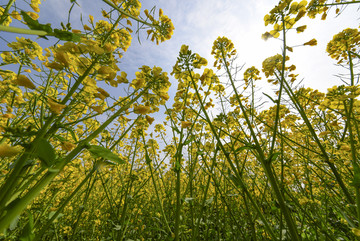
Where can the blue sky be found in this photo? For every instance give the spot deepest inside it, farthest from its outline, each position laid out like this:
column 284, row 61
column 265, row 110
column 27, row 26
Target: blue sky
column 199, row 22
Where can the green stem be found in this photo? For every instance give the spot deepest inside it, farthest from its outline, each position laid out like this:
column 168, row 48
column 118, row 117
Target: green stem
column 5, row 13
column 316, row 138
column 282, row 79
column 15, row 208
column 63, row 205
column 265, row 162
column 227, row 156
column 22, row 30
column 149, row 163
column 127, row 14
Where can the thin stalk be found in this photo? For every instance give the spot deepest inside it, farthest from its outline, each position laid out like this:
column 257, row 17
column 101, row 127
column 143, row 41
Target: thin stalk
column 265, row 162
column 127, row 14
column 5, row 13
column 316, row 138
column 63, row 205
column 227, row 156
column 22, row 30
column 282, row 79
column 16, row 207
column 351, row 135
column 149, row 162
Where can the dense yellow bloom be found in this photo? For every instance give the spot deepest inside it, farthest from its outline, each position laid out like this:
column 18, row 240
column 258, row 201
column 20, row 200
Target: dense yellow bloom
column 8, row 19
column 222, row 48
column 16, row 15
column 186, row 124
column 162, row 30
column 271, row 64
column 344, row 43
column 199, row 61
column 142, row 109
column 9, row 151
column 251, row 73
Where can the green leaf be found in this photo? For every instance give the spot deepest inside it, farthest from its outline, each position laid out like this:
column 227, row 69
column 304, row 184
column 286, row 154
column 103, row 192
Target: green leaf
column 175, row 129
column 34, row 24
column 147, row 158
column 102, row 152
column 27, row 233
column 187, row 142
column 356, row 179
column 244, row 148
column 45, row 152
column 52, row 213
column 275, row 101
column 66, row 35
column 188, row 199
column 274, row 156
column 209, row 201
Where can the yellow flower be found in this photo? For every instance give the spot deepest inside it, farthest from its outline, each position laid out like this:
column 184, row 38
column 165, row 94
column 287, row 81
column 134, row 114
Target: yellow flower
column 103, row 92
column 312, row 42
column 8, row 116
column 87, row 27
column 22, row 80
column 184, row 49
column 16, row 15
column 301, row 29
column 55, row 107
column 149, row 119
column 122, row 78
column 356, row 231
column 62, row 58
column 33, row 15
column 186, row 124
column 35, row 7
column 266, row 36
column 9, row 151
column 139, row 82
column 142, row 109
column 97, row 109
column 67, row 146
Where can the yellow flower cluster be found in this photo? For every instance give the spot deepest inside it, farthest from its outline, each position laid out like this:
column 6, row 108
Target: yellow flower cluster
column 8, row 19
column 344, row 43
column 132, row 7
column 222, row 48
column 118, row 38
column 25, row 49
column 337, row 96
column 271, row 64
column 187, row 60
column 162, row 29
column 251, row 73
column 285, row 14
column 157, row 82
column 317, row 7
column 199, row 61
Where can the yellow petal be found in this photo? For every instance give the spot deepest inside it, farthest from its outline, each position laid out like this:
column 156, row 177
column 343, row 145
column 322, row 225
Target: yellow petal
column 149, row 119
column 22, row 80
column 9, row 151
column 186, row 124
column 356, row 231
column 142, row 109
column 55, row 108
